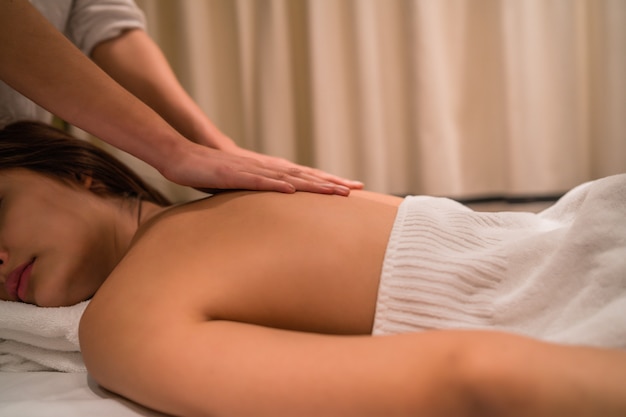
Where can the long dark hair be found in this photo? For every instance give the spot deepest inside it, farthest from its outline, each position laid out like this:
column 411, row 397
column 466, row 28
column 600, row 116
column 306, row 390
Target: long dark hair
column 53, row 152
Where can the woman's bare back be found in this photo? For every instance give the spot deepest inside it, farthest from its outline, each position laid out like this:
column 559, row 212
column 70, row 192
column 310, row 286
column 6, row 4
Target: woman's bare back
column 303, row 261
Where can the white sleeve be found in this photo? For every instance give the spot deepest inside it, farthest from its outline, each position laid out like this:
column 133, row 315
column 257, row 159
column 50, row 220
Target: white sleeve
column 94, row 21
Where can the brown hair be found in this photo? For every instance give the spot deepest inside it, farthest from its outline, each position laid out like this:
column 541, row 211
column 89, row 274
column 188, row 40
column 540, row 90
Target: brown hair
column 53, row 152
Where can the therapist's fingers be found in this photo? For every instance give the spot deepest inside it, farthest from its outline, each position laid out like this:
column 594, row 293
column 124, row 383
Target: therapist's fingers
column 304, row 180
column 281, row 180
column 212, row 170
column 314, row 175
column 307, row 179
column 303, row 176
column 290, row 179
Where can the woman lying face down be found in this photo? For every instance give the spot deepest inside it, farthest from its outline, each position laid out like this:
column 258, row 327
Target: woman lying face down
column 257, row 303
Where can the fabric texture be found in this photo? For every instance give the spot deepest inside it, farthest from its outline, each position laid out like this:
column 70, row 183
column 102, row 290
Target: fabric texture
column 85, row 23
column 40, row 338
column 559, row 275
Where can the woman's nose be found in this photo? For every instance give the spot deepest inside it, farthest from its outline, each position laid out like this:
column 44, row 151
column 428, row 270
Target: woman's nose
column 4, row 257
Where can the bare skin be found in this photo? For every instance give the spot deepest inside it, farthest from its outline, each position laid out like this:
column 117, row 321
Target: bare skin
column 262, row 304
column 230, row 272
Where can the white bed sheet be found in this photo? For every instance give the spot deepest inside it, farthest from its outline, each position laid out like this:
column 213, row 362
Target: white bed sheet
column 56, row 394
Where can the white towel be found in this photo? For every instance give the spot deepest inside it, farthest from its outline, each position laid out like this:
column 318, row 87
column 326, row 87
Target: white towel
column 559, row 275
column 40, row 338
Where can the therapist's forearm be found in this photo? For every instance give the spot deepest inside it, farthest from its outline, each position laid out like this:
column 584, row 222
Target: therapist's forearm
column 137, row 63
column 39, row 62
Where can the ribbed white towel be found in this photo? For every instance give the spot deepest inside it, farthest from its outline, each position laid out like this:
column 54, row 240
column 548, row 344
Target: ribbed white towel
column 40, row 338
column 559, row 275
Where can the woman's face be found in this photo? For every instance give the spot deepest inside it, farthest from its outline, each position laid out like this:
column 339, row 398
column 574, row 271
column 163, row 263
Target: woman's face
column 56, row 247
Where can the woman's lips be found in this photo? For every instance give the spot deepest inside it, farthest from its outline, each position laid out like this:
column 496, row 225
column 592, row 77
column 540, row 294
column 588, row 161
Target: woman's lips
column 17, row 281
column 22, row 289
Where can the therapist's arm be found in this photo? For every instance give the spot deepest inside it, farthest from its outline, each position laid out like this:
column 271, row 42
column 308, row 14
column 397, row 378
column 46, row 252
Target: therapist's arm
column 126, row 59
column 40, row 63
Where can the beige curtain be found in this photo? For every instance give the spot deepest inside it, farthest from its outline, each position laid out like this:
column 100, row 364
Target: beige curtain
column 463, row 98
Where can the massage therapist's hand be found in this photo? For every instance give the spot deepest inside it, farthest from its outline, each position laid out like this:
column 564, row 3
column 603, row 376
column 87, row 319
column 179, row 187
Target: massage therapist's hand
column 211, row 170
column 304, row 178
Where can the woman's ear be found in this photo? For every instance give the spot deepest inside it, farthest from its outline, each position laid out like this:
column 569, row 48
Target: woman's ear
column 89, row 183
column 85, row 179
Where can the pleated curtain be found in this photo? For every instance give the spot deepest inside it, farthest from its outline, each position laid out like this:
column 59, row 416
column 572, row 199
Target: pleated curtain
column 460, row 98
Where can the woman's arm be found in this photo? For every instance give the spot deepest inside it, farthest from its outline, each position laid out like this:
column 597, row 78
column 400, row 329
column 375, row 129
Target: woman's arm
column 509, row 375
column 40, row 63
column 232, row 369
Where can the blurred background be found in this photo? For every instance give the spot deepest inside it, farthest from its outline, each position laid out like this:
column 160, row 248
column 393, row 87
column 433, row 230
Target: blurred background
column 459, row 98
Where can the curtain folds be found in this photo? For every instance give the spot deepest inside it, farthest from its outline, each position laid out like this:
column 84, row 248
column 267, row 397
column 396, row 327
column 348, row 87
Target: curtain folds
column 446, row 97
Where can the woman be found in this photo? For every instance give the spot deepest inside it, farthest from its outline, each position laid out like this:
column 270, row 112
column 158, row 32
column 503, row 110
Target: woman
column 253, row 303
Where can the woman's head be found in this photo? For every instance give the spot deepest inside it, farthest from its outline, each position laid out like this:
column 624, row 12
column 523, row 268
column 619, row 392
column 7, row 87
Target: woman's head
column 52, row 152
column 68, row 211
